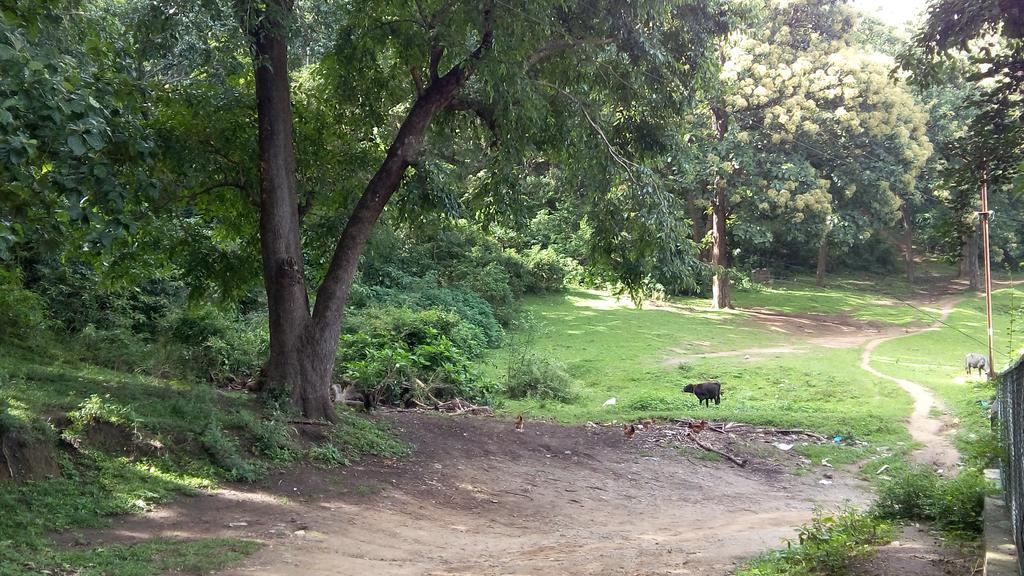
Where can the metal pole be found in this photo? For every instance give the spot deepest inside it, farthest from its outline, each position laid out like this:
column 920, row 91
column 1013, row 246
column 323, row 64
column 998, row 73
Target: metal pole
column 984, row 214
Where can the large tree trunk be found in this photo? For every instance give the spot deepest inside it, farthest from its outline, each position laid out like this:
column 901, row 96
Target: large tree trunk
column 303, row 346
column 908, row 241
column 292, row 368
column 819, row 274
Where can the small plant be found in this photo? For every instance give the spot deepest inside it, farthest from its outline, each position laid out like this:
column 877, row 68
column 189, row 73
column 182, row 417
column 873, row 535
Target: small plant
column 359, row 437
column 327, row 455
column 527, row 375
column 953, row 504
column 225, row 453
column 905, row 496
column 825, row 546
column 535, row 377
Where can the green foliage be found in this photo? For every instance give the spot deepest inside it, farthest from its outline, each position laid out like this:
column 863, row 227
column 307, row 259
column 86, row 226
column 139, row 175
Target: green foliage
column 531, row 376
column 546, row 271
column 22, row 312
column 918, row 493
column 387, row 349
column 540, row 378
column 226, row 453
column 652, row 402
column 150, row 558
column 824, row 547
column 216, row 346
column 356, row 437
column 73, row 152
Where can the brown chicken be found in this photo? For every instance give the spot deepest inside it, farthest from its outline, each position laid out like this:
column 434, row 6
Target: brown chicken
column 519, row 423
column 698, row 427
column 647, row 423
column 629, row 430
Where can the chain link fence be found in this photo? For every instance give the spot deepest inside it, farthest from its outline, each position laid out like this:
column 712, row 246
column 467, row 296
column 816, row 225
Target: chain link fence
column 1010, row 410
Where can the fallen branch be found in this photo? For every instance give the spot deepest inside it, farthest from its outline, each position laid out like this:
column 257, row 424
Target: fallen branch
column 737, row 461
column 804, row 432
column 311, row 422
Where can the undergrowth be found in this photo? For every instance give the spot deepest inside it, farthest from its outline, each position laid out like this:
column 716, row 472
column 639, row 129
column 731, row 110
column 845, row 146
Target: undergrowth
column 825, row 546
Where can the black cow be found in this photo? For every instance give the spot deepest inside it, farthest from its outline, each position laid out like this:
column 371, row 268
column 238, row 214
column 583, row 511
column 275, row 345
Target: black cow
column 706, row 391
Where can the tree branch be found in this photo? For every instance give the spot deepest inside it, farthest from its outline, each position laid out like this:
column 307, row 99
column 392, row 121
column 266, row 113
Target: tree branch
column 417, row 80
column 482, row 111
column 556, row 46
column 626, row 164
column 436, row 53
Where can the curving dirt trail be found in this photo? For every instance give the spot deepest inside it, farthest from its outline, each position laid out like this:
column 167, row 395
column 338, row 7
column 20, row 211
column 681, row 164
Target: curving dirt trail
column 933, row 433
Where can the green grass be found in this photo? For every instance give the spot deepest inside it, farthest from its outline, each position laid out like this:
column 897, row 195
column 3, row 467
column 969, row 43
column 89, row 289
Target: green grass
column 128, row 442
column 841, row 297
column 935, row 359
column 151, row 558
column 643, row 358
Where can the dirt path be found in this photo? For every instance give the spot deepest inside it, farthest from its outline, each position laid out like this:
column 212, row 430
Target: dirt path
column 478, row 498
column 916, row 552
column 930, row 431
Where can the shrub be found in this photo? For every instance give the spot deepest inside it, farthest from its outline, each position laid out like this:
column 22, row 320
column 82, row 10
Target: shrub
column 214, row 345
column 493, row 283
column 22, row 312
column 957, row 503
column 114, row 348
column 953, row 504
column 226, row 454
column 906, row 495
column 545, row 271
column 388, row 350
column 532, row 376
column 825, row 546
column 481, row 326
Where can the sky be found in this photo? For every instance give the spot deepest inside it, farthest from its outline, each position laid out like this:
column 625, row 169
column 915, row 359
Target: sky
column 895, row 12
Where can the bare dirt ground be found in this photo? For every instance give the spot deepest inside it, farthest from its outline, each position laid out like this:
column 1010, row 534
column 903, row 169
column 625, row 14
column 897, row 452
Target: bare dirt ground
column 478, row 498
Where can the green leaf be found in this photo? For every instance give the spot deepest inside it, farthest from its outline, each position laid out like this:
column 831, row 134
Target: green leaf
column 95, row 140
column 76, row 144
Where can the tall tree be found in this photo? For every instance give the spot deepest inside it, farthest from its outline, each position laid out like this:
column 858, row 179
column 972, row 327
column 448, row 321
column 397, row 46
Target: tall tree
column 422, row 62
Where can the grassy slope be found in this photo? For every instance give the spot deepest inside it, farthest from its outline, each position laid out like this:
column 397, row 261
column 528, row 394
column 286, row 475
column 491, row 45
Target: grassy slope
column 208, row 437
column 614, row 350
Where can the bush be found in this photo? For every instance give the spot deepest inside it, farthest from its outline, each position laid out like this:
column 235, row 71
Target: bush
column 957, row 503
column 114, row 348
column 214, row 345
column 535, row 377
column 905, row 496
column 387, row 350
column 493, row 283
column 22, row 312
column 226, row 454
column 953, row 504
column 545, row 271
column 825, row 546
